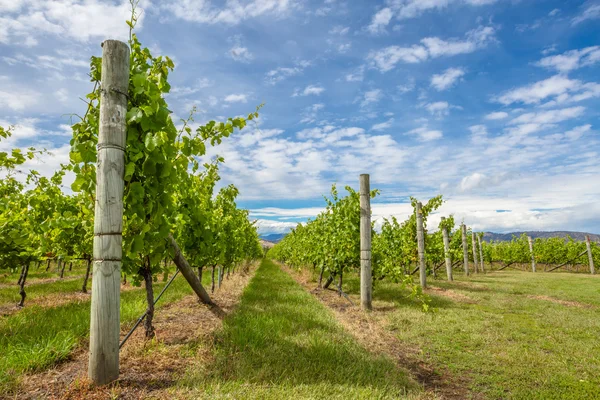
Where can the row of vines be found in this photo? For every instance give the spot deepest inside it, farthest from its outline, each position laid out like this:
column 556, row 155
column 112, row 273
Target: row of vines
column 330, row 243
column 170, row 193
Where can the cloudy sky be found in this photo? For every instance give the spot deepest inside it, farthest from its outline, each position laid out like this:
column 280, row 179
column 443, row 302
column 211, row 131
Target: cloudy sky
column 492, row 103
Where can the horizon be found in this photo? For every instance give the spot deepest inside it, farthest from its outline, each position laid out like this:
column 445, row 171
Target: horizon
column 491, row 103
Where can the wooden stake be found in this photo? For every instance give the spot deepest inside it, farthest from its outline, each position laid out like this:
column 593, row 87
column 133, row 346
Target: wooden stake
column 531, row 253
column 366, row 280
column 465, row 246
column 108, row 218
column 588, row 245
column 447, row 252
column 481, row 253
column 474, row 244
column 421, row 246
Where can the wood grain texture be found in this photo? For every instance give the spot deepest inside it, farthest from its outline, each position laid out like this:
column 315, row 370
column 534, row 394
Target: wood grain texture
column 533, row 266
column 588, row 246
column 366, row 280
column 474, row 246
column 108, row 218
column 447, row 256
column 421, row 246
column 465, row 246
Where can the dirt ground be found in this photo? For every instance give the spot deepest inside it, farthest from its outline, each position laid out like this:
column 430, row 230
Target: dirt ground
column 148, row 369
column 369, row 330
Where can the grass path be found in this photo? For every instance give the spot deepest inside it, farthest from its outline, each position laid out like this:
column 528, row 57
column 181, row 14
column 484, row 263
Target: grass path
column 283, row 343
column 513, row 335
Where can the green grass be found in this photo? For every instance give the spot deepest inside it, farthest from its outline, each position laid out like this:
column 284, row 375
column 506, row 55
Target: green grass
column 11, row 278
column 508, row 344
column 37, row 337
column 283, row 343
column 10, row 294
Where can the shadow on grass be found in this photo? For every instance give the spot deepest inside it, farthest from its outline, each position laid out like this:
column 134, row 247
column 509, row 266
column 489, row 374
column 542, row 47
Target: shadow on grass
column 281, row 335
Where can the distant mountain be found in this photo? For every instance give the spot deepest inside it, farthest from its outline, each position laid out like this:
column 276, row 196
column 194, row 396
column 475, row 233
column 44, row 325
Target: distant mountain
column 579, row 236
column 273, row 237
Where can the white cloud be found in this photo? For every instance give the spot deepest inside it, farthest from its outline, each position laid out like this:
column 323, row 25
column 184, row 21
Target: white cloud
column 382, row 126
column 425, row 134
column 310, row 90
column 446, row 79
column 266, row 226
column 380, row 20
column 236, row 98
column 241, row 54
column 356, row 76
column 344, row 47
column 591, row 12
column 559, row 87
column 413, row 8
column 370, row 97
column 548, row 117
column 439, row 108
column 431, row 47
column 232, row 13
column 183, row 91
column 73, row 19
column 572, row 59
column 496, row 115
column 578, row 132
column 407, row 87
column 339, row 30
column 281, row 73
column 18, row 100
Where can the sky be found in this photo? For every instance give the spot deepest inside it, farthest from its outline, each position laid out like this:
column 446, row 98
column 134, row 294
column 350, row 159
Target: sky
column 492, row 103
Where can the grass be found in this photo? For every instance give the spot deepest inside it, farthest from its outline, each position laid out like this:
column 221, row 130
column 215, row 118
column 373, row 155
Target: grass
column 37, row 337
column 283, row 343
column 34, row 288
column 10, row 278
column 507, row 342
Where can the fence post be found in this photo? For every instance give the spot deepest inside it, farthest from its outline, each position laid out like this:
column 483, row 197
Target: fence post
column 480, row 252
column 366, row 280
column 465, row 246
column 447, row 250
column 421, row 245
column 474, row 244
column 108, row 218
column 532, row 254
column 588, row 245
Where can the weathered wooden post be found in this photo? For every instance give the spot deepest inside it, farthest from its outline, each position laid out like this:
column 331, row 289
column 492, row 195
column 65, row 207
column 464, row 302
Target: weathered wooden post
column 366, row 280
column 531, row 253
column 481, row 253
column 421, row 245
column 447, row 250
column 465, row 246
column 474, row 244
column 108, row 218
column 588, row 245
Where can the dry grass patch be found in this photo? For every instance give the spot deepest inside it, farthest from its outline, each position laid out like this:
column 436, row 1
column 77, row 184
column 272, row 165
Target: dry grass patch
column 149, row 369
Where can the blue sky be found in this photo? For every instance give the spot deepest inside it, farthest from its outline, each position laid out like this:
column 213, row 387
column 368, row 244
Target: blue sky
column 492, row 103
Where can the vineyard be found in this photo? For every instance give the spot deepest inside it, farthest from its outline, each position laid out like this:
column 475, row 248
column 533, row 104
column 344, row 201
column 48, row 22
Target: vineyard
column 145, row 279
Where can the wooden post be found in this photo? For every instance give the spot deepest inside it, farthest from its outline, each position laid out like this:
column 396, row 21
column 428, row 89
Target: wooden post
column 108, row 218
column 531, row 253
column 465, row 246
column 447, row 251
column 421, row 246
column 588, row 245
column 474, row 244
column 481, row 253
column 366, row 280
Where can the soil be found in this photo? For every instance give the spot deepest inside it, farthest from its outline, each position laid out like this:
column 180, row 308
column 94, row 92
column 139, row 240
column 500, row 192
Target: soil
column 563, row 302
column 148, row 368
column 370, row 331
